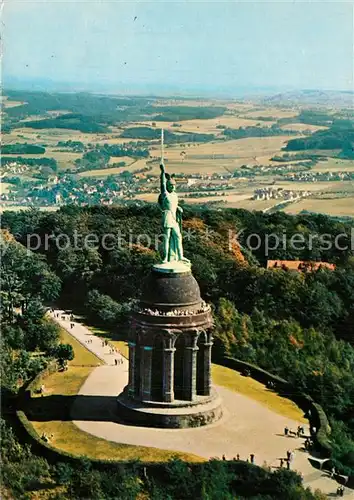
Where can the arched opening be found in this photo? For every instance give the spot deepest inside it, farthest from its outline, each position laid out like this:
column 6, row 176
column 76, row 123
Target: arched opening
column 200, row 364
column 157, row 369
column 179, row 366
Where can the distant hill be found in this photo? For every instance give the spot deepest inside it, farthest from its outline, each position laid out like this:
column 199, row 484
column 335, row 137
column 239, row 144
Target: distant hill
column 343, row 99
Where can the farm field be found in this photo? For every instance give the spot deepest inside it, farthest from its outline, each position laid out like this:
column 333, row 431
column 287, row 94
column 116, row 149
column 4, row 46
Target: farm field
column 271, row 112
column 334, row 189
column 104, row 172
column 7, row 103
column 300, row 127
column 336, row 207
column 116, row 159
column 4, row 187
column 210, row 126
column 217, row 156
column 65, row 159
column 334, row 165
column 53, row 135
column 212, row 161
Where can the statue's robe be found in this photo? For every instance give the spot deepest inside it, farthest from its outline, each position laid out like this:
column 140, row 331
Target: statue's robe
column 168, row 203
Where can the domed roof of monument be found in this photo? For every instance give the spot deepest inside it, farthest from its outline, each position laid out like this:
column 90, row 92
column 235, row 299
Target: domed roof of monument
column 171, row 290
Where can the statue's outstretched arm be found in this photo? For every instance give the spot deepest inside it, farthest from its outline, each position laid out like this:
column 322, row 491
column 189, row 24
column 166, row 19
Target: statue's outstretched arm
column 163, row 179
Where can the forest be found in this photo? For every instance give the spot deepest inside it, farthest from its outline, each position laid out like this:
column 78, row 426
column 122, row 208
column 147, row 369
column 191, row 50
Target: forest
column 69, row 121
column 22, row 149
column 29, row 342
column 94, row 113
column 340, row 135
column 295, row 325
column 243, row 132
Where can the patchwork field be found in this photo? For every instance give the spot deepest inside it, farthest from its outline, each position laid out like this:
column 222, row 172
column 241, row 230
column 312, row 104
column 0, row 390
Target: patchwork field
column 210, row 126
column 117, row 159
column 270, row 112
column 300, row 127
column 337, row 207
column 334, row 165
column 7, row 103
column 53, row 135
column 213, row 160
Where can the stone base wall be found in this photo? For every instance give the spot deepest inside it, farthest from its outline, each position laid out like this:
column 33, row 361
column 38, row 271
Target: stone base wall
column 179, row 418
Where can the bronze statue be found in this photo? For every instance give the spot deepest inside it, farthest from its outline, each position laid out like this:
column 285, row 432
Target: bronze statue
column 171, row 218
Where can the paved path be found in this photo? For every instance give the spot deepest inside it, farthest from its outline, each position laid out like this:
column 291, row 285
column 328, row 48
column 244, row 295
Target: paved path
column 246, row 427
column 92, row 342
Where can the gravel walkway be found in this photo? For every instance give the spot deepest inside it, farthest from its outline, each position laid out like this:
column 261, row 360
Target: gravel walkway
column 246, row 427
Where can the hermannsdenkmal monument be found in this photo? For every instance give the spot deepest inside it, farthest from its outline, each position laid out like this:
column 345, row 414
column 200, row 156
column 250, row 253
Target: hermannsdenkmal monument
column 170, row 338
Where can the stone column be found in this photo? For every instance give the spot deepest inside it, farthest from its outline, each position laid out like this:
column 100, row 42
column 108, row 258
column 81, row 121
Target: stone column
column 190, row 369
column 145, row 373
column 207, row 369
column 131, row 383
column 168, row 375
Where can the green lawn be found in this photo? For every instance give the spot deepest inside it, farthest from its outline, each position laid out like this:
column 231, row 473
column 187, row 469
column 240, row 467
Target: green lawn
column 253, row 389
column 68, row 437
column 83, row 357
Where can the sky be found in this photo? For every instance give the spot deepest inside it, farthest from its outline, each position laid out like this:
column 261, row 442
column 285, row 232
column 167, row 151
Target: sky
column 186, row 45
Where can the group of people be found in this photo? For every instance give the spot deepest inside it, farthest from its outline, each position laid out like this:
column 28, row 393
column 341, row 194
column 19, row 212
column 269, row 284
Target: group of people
column 299, row 432
column 63, row 317
column 176, row 312
column 112, row 349
column 46, row 438
column 237, row 458
column 290, row 455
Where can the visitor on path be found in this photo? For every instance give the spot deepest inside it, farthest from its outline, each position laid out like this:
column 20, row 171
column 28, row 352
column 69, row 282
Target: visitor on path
column 286, row 431
column 252, row 458
column 223, row 457
column 333, row 472
column 116, row 362
column 281, row 463
column 340, row 491
column 288, row 454
column 288, row 464
column 237, row 457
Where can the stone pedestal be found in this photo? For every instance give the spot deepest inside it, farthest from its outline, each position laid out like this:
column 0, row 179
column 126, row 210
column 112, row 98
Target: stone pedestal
column 170, row 353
